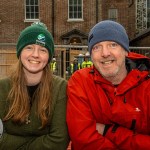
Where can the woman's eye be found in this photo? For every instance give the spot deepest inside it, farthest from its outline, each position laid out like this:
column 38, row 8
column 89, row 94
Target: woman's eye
column 44, row 50
column 28, row 47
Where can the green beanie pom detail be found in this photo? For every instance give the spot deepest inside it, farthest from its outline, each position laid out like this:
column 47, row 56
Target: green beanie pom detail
column 38, row 34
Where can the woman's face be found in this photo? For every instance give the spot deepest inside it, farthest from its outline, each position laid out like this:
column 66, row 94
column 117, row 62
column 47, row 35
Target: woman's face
column 34, row 58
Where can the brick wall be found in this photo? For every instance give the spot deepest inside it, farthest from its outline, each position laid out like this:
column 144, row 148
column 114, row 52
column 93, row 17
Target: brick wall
column 13, row 17
column 62, row 25
column 126, row 13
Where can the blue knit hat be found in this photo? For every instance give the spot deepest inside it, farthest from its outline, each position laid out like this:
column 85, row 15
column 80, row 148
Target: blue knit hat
column 37, row 33
column 108, row 31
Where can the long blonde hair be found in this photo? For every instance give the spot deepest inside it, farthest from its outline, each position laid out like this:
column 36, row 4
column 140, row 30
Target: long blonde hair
column 19, row 107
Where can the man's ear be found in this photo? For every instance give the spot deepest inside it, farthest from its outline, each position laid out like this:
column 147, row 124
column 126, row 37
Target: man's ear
column 126, row 53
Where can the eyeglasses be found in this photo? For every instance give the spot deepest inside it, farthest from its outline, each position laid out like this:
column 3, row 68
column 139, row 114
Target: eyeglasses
column 110, row 46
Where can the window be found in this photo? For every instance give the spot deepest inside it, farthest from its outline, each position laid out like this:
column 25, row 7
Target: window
column 32, row 9
column 112, row 14
column 75, row 9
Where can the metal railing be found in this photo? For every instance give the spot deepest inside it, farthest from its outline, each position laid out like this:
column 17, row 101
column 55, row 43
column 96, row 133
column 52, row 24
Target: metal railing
column 141, row 50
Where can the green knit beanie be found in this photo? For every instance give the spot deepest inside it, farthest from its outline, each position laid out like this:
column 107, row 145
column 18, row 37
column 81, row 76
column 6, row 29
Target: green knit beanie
column 37, row 33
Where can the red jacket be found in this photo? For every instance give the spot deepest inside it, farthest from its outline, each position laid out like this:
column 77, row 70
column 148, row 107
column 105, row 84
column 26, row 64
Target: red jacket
column 92, row 99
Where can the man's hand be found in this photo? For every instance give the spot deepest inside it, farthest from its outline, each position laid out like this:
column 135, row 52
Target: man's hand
column 100, row 128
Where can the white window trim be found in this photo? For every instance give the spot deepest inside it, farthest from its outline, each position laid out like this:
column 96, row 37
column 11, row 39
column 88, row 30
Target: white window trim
column 75, row 20
column 31, row 20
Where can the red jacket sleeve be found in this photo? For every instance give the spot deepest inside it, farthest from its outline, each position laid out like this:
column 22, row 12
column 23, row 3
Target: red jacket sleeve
column 126, row 139
column 81, row 123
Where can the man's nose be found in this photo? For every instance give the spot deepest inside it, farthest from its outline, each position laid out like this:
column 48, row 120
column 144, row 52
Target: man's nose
column 105, row 51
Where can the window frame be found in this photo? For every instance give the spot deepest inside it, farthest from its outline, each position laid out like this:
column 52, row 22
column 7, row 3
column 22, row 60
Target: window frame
column 33, row 14
column 111, row 13
column 75, row 12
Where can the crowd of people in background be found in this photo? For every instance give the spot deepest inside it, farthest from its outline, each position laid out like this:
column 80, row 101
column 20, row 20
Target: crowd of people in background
column 85, row 61
column 80, row 61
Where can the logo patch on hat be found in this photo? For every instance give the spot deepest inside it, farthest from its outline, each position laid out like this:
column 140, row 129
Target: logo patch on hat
column 40, row 40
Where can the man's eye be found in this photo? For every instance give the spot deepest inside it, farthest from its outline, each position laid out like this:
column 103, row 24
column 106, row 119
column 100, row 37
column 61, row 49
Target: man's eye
column 113, row 45
column 97, row 47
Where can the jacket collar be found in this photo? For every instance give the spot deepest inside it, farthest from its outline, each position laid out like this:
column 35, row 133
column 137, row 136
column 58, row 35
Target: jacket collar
column 133, row 79
column 137, row 66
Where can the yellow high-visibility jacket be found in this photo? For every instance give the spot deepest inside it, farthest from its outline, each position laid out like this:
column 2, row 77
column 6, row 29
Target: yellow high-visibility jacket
column 86, row 64
column 74, row 68
column 53, row 66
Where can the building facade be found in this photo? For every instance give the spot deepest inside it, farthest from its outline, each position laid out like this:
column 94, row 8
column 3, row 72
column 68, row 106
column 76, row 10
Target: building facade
column 69, row 21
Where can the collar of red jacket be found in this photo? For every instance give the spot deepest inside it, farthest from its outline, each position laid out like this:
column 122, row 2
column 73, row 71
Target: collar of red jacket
column 135, row 75
column 135, row 56
column 134, row 78
column 141, row 62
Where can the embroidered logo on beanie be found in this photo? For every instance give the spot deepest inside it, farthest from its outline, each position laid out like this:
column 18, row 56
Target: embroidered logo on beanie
column 40, row 40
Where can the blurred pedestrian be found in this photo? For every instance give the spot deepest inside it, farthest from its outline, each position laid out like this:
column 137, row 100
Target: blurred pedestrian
column 75, row 66
column 87, row 62
column 53, row 66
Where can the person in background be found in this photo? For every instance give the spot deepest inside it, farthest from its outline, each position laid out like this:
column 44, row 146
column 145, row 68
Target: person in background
column 32, row 99
column 80, row 59
column 86, row 63
column 53, row 66
column 109, row 103
column 75, row 66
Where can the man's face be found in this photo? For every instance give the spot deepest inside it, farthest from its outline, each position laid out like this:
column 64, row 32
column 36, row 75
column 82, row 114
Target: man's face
column 109, row 59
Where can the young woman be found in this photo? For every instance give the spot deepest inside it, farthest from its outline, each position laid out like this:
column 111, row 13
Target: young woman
column 32, row 100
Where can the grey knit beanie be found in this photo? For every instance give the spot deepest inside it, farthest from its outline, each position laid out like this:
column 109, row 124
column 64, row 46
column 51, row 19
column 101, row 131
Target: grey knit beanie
column 108, row 31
